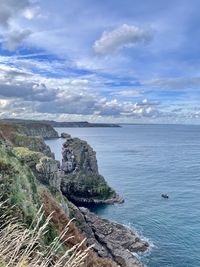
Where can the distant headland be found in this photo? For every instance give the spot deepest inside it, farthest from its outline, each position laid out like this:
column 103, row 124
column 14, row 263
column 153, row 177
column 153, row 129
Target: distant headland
column 70, row 124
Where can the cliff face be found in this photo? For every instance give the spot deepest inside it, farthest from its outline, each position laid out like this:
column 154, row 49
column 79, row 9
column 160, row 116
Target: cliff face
column 28, row 135
column 81, row 181
column 28, row 129
column 38, row 129
column 79, row 124
column 29, row 179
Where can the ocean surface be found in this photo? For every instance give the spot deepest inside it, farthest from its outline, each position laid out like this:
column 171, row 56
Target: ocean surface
column 141, row 162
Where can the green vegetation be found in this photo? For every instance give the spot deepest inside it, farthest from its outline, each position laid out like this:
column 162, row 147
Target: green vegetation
column 5, row 168
column 18, row 184
column 29, row 178
column 20, row 187
column 88, row 186
column 33, row 143
column 28, row 156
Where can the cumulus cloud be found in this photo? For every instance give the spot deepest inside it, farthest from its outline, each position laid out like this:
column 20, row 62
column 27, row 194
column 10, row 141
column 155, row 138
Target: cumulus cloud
column 27, row 92
column 24, row 92
column 15, row 83
column 123, row 36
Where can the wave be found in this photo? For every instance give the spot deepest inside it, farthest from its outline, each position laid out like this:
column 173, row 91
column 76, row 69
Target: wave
column 140, row 234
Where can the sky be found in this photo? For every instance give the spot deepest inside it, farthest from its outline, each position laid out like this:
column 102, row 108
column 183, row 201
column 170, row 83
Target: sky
column 123, row 61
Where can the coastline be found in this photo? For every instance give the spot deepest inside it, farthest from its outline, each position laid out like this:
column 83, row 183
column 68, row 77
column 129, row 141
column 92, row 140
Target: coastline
column 52, row 183
column 123, row 252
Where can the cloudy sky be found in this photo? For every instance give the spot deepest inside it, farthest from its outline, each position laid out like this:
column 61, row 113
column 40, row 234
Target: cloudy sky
column 100, row 60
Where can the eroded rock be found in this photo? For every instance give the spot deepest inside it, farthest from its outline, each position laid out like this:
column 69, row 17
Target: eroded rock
column 81, row 181
column 65, row 135
column 118, row 241
column 48, row 172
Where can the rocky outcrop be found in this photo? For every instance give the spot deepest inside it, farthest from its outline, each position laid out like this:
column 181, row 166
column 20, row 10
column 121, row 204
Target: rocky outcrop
column 81, row 181
column 113, row 240
column 33, row 143
column 65, row 135
column 48, row 172
column 46, row 169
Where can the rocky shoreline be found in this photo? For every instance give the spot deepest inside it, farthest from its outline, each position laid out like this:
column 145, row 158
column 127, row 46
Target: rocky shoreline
column 28, row 163
column 110, row 239
column 114, row 240
column 117, row 199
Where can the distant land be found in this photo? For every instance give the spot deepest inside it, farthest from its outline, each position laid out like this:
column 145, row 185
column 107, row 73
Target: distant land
column 71, row 124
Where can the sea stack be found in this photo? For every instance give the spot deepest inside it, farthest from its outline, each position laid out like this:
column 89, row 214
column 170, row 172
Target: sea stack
column 81, row 181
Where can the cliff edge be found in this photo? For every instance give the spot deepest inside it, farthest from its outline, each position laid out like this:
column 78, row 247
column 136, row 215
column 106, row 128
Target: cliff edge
column 30, row 178
column 30, row 135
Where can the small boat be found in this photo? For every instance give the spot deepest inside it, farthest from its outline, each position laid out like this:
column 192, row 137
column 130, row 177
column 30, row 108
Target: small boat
column 164, row 196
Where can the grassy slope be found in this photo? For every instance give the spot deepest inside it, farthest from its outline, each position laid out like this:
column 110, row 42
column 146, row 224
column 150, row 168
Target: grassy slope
column 20, row 186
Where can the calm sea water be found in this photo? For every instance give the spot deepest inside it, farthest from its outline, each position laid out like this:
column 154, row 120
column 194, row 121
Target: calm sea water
column 141, row 162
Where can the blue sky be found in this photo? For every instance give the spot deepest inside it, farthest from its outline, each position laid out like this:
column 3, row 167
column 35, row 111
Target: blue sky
column 105, row 61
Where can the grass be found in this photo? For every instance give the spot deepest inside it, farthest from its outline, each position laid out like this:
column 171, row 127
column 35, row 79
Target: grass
column 22, row 247
column 18, row 184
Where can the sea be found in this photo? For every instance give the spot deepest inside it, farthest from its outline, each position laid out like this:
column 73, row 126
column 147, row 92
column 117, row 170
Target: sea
column 141, row 162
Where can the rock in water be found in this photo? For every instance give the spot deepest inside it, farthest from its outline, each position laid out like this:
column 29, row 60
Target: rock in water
column 65, row 135
column 81, row 181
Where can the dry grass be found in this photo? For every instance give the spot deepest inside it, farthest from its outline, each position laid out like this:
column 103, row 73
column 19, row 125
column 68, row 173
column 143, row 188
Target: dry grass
column 22, row 247
column 60, row 220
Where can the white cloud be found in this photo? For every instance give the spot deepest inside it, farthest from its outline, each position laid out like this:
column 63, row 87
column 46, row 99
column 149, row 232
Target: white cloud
column 123, row 36
column 128, row 93
column 79, row 82
column 23, row 92
column 4, row 103
column 174, row 83
column 32, row 12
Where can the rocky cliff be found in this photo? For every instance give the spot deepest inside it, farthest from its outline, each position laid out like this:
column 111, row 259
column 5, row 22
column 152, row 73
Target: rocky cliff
column 30, row 135
column 28, row 128
column 29, row 179
column 81, row 181
column 21, row 185
column 64, row 124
